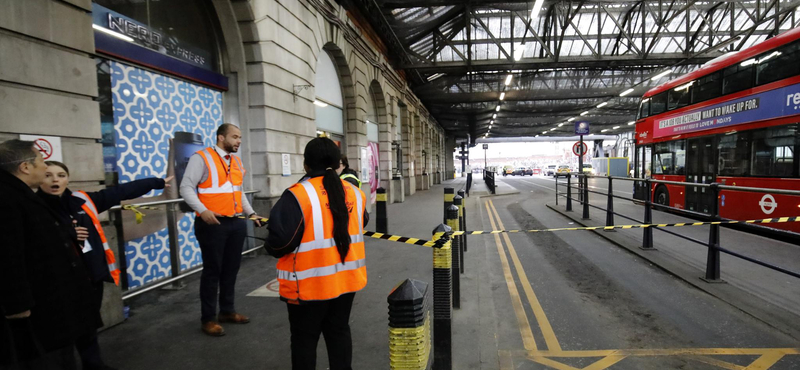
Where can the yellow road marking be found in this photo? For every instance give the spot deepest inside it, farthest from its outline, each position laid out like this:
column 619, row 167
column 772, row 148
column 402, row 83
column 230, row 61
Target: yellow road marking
column 605, row 362
column 547, row 330
column 522, row 319
column 648, row 352
column 765, row 361
column 551, row 363
column 715, row 362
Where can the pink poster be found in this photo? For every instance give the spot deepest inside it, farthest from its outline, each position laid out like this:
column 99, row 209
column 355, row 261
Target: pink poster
column 373, row 161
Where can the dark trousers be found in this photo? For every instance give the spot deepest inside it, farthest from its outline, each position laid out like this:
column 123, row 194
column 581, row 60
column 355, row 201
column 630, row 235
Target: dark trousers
column 221, row 246
column 60, row 359
column 87, row 345
column 331, row 318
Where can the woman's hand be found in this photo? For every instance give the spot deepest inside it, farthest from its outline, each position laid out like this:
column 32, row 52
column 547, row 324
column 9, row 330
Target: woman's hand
column 83, row 233
column 167, row 180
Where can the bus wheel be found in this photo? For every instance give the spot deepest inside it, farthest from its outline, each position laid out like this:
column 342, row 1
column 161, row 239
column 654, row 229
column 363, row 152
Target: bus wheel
column 661, row 196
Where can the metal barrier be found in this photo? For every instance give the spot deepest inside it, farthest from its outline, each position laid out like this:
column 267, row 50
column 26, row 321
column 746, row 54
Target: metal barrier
column 712, row 273
column 174, row 248
column 488, row 178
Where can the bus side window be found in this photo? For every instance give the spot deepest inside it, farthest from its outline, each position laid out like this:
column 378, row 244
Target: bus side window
column 773, row 151
column 679, row 98
column 737, row 78
column 658, row 103
column 734, row 154
column 707, row 87
column 778, row 64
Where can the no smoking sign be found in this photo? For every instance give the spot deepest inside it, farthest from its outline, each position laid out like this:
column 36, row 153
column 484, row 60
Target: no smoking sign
column 49, row 146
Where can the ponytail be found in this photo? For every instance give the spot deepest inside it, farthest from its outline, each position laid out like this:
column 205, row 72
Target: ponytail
column 323, row 154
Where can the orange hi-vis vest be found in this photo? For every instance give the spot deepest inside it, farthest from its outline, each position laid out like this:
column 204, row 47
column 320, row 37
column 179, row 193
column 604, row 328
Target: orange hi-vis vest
column 314, row 271
column 90, row 209
column 222, row 190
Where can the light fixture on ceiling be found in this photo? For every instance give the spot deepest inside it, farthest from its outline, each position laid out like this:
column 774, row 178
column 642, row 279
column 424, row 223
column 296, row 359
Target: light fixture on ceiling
column 112, row 33
column 508, row 79
column 553, row 129
column 497, row 109
column 631, row 123
column 560, row 124
column 604, row 130
column 435, row 76
column 626, row 92
column 494, row 116
column 585, row 113
column 491, row 122
column 570, row 119
column 615, row 127
column 603, row 104
column 662, row 74
column 320, row 104
column 502, row 95
column 544, row 132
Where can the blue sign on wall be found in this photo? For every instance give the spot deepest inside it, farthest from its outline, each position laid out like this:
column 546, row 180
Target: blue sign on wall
column 582, row 128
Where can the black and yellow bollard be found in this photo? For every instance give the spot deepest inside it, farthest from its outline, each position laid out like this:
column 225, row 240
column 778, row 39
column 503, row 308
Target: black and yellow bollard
column 463, row 217
column 452, row 221
column 409, row 326
column 458, row 246
column 442, row 302
column 381, row 219
column 449, row 193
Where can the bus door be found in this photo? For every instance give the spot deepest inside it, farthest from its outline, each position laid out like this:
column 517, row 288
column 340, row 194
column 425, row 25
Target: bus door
column 700, row 169
column 641, row 170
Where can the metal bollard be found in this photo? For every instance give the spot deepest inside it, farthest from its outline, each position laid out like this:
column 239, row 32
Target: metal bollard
column 459, row 202
column 585, row 197
column 610, row 205
column 647, row 236
column 569, row 193
column 442, row 303
column 452, row 221
column 381, row 219
column 449, row 193
column 712, row 262
column 409, row 326
column 463, row 225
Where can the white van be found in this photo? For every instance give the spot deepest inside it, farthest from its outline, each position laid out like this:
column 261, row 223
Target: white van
column 549, row 170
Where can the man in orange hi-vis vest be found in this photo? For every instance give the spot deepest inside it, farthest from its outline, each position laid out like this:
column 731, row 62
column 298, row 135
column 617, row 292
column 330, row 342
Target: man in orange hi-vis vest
column 212, row 186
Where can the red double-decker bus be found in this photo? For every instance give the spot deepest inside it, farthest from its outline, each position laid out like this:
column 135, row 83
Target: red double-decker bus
column 734, row 121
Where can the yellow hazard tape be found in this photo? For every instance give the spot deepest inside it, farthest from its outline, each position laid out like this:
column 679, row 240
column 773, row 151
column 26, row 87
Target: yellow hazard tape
column 138, row 214
column 639, row 226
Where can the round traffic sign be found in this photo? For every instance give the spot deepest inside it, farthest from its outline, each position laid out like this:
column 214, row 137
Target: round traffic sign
column 580, row 150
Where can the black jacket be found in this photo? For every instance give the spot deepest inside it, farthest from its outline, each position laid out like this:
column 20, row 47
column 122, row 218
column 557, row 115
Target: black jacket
column 69, row 208
column 286, row 225
column 41, row 271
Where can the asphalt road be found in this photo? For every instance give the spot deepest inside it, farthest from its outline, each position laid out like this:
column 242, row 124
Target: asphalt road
column 582, row 302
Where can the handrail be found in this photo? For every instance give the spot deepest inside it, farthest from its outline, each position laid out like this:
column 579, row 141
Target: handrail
column 162, row 202
column 702, row 185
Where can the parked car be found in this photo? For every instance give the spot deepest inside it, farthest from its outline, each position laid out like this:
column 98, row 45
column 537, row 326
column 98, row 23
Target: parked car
column 550, row 170
column 522, row 171
column 588, row 169
column 563, row 170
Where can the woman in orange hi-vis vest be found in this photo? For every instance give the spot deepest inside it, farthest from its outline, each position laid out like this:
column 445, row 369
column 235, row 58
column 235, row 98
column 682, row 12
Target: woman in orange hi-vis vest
column 82, row 209
column 316, row 231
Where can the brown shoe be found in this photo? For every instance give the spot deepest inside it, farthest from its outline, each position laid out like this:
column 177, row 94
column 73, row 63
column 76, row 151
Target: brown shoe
column 213, row 329
column 233, row 318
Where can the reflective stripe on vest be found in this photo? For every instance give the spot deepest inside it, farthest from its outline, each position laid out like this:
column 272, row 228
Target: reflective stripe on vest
column 350, row 175
column 221, row 192
column 314, row 271
column 90, row 209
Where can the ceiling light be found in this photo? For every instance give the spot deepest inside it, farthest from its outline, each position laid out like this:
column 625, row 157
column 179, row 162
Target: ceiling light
column 320, row 103
column 502, row 95
column 603, row 104
column 508, row 79
column 435, row 76
column 560, row 124
column 491, row 122
column 537, row 7
column 662, row 74
column 585, row 113
column 570, row 119
column 497, row 109
column 494, row 116
column 553, row 129
column 112, row 33
column 490, row 126
column 544, row 132
column 626, row 92
column 604, row 130
column 615, row 127
column 631, row 123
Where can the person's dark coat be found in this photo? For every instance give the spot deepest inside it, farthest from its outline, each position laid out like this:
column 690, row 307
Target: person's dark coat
column 68, row 207
column 41, row 271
